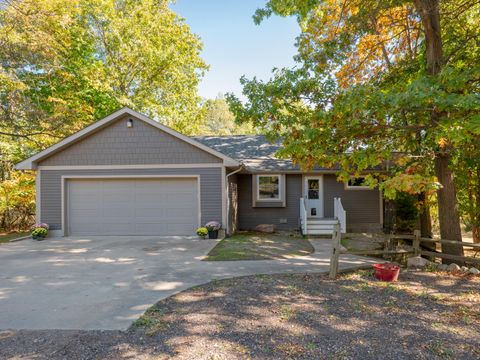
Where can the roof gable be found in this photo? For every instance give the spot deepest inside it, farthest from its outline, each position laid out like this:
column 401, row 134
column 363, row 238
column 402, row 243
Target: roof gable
column 83, row 134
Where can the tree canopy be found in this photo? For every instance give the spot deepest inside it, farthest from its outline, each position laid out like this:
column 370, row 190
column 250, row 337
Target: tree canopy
column 377, row 83
column 66, row 63
column 219, row 120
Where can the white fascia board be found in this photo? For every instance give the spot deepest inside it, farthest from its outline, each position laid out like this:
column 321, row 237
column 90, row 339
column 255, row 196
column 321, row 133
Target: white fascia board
column 29, row 164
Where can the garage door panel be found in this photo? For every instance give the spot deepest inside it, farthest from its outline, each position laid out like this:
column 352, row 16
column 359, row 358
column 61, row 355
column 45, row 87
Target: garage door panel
column 85, row 201
column 156, row 213
column 148, row 229
column 183, row 198
column 174, row 228
column 86, row 229
column 115, row 199
column 86, row 215
column 132, row 206
column 151, row 199
column 179, row 213
column 117, row 227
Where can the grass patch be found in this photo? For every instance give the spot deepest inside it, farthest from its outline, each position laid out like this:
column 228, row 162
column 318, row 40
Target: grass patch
column 255, row 246
column 151, row 320
column 4, row 238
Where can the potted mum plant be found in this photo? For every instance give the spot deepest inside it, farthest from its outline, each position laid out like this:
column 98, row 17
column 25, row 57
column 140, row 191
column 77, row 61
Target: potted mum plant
column 213, row 227
column 202, row 232
column 40, row 231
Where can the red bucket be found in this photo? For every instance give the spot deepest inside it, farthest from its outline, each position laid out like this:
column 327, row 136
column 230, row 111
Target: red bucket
column 386, row 271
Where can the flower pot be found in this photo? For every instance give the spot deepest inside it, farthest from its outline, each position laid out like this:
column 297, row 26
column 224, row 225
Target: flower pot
column 386, row 271
column 213, row 234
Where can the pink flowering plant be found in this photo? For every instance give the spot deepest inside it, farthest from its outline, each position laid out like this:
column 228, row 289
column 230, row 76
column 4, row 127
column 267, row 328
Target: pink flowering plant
column 40, row 231
column 41, row 225
column 213, row 226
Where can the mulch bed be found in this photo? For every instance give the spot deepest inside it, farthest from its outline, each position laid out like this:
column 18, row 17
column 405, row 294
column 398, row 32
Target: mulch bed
column 423, row 316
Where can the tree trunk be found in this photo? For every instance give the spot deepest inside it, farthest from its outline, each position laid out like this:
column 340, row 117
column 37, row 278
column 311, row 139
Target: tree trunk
column 475, row 217
column 476, row 234
column 425, row 218
column 448, row 214
column 430, row 15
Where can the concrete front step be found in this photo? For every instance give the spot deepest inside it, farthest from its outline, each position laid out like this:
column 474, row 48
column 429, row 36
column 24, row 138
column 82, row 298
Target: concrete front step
column 320, row 227
column 319, row 232
column 322, row 221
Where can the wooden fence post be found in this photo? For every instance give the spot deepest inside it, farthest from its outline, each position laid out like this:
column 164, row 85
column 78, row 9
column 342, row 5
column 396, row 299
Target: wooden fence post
column 416, row 243
column 336, row 237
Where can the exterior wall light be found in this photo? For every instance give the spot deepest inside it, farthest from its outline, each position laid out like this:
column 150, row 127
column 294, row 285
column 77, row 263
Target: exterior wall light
column 129, row 123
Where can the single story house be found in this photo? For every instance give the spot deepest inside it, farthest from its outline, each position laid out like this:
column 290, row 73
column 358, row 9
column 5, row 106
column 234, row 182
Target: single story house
column 129, row 175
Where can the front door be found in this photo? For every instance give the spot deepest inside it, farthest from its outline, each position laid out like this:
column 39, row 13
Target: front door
column 313, row 194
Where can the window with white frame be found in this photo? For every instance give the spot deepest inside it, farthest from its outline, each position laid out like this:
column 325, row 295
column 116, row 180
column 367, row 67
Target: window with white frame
column 357, row 183
column 269, row 187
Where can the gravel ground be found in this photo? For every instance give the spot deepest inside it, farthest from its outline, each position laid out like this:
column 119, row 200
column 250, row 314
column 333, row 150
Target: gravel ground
column 423, row 316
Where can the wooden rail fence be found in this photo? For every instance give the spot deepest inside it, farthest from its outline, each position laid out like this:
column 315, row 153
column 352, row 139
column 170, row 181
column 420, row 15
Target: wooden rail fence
column 416, row 249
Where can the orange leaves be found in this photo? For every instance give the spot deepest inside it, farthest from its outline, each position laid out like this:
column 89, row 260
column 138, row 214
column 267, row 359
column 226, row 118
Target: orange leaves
column 375, row 35
column 442, row 142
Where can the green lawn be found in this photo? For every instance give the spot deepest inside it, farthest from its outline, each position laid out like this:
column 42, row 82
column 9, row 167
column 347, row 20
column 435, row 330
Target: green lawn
column 255, row 246
column 7, row 237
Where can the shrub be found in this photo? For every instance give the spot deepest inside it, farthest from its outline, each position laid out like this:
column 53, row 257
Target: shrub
column 407, row 213
column 213, row 226
column 39, row 232
column 17, row 199
column 202, row 232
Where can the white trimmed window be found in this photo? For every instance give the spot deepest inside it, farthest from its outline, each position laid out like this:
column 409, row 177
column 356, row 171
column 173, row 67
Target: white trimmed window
column 269, row 188
column 357, row 183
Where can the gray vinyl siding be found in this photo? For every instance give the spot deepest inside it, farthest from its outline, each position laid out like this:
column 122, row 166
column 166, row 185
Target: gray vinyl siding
column 51, row 192
column 362, row 206
column 249, row 217
column 116, row 144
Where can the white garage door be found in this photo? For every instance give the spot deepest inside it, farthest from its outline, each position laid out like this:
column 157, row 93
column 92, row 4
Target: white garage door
column 167, row 206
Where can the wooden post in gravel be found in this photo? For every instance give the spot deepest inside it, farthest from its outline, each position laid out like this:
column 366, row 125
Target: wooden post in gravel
column 416, row 242
column 336, row 237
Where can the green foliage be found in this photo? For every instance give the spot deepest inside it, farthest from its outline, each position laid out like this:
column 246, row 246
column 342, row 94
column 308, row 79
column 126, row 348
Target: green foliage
column 202, row 232
column 360, row 96
column 17, row 200
column 219, row 120
column 407, row 212
column 39, row 233
column 67, row 63
column 467, row 171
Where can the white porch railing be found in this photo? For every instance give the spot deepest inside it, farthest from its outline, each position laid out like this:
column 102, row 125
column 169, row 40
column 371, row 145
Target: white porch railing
column 303, row 216
column 340, row 214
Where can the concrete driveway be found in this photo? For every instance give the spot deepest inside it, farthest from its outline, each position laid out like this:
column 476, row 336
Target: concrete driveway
column 107, row 282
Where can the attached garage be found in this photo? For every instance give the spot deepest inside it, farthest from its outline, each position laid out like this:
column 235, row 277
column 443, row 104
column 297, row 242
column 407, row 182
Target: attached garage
column 132, row 206
column 129, row 175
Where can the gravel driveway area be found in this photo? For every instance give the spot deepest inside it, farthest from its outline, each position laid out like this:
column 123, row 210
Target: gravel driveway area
column 423, row 316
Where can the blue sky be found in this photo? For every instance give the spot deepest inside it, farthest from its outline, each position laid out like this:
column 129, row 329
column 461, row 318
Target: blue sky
column 234, row 45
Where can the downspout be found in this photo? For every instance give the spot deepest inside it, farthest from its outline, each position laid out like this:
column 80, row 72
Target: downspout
column 227, row 189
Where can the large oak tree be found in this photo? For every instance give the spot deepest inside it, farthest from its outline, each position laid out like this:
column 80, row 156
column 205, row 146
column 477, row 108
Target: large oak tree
column 377, row 82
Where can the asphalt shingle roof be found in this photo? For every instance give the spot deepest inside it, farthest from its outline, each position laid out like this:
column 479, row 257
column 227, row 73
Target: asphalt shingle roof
column 254, row 151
